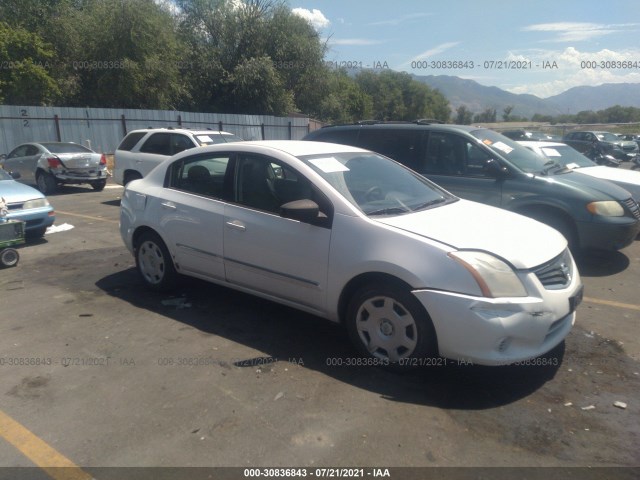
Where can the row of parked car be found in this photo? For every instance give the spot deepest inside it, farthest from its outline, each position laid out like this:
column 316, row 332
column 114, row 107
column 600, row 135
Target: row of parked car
column 391, row 229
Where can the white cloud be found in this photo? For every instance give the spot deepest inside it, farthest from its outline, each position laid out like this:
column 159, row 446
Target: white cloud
column 443, row 47
column 573, row 71
column 315, row 17
column 577, row 31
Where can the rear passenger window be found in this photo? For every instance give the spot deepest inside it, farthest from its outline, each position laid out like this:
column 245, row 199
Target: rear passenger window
column 158, row 143
column 449, row 154
column 344, row 137
column 201, row 175
column 401, row 145
column 131, row 141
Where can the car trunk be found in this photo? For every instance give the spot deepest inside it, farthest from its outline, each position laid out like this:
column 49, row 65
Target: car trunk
column 80, row 163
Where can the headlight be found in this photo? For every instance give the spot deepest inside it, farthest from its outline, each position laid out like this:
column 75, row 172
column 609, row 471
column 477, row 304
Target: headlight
column 607, row 208
column 37, row 203
column 494, row 277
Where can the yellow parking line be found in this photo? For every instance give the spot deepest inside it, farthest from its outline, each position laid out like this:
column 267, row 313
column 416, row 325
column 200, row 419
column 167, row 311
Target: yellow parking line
column 56, row 465
column 99, row 219
column 628, row 306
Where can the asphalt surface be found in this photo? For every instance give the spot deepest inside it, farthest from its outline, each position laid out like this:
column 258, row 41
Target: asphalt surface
column 108, row 374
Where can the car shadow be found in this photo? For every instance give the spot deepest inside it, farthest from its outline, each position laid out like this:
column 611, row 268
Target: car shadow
column 112, row 203
column 285, row 334
column 601, row 263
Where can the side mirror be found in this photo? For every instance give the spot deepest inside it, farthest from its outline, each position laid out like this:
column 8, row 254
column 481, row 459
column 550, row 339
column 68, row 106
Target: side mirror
column 493, row 168
column 15, row 175
column 302, row 210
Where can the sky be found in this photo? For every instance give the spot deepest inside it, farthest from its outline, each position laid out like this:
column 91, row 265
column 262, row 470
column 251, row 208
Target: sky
column 539, row 47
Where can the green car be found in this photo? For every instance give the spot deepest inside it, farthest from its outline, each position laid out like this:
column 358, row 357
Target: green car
column 482, row 165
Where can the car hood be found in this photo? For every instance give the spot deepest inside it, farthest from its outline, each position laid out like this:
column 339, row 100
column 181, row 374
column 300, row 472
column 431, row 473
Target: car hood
column 14, row 192
column 628, row 179
column 598, row 188
column 523, row 242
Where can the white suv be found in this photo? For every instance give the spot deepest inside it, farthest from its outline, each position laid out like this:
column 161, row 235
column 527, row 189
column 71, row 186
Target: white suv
column 141, row 150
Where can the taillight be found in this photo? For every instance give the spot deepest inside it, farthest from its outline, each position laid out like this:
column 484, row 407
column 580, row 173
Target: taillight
column 54, row 162
column 103, row 160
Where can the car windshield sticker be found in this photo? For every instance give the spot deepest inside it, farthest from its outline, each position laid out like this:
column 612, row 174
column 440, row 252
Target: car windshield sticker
column 551, row 152
column 572, row 165
column 502, row 147
column 329, row 165
column 486, row 141
column 204, row 139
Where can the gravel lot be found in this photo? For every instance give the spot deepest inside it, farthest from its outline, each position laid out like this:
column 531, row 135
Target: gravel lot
column 111, row 375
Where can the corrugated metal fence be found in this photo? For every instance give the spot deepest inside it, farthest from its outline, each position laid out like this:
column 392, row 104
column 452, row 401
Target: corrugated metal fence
column 104, row 128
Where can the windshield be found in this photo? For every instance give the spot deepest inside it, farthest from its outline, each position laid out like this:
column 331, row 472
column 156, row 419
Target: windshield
column 377, row 185
column 607, row 137
column 567, row 156
column 65, row 148
column 516, row 154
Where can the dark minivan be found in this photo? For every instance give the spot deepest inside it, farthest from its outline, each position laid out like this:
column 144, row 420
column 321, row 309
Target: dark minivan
column 482, row 165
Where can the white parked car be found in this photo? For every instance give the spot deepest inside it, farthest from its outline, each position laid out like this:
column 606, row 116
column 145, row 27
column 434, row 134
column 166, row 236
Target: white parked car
column 352, row 236
column 142, row 150
column 569, row 157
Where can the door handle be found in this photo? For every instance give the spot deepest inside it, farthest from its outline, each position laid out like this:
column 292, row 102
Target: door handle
column 168, row 205
column 236, row 225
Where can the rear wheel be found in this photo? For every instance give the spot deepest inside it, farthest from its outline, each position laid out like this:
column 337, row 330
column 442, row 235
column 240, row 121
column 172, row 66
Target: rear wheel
column 9, row 257
column 46, row 183
column 98, row 185
column 130, row 176
column 154, row 262
column 388, row 323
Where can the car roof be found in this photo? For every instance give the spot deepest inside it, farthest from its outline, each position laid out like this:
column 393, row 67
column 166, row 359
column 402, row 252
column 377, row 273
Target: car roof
column 182, row 130
column 299, row 147
column 531, row 143
column 404, row 126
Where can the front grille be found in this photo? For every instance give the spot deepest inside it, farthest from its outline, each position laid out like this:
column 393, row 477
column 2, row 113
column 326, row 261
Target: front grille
column 632, row 206
column 557, row 273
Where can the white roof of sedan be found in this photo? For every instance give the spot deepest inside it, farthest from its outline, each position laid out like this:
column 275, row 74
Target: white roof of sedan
column 533, row 143
column 302, row 147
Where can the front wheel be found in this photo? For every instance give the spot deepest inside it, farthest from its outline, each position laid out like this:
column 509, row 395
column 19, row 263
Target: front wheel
column 154, row 262
column 9, row 257
column 388, row 323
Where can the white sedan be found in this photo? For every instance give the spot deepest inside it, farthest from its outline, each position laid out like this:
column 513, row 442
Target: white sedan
column 571, row 158
column 411, row 270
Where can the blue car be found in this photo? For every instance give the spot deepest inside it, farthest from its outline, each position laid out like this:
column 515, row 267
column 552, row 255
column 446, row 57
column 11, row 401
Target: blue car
column 27, row 204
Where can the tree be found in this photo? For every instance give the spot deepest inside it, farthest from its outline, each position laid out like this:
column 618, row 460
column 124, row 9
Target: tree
column 506, row 113
column 463, row 116
column 396, row 96
column 343, row 100
column 122, row 53
column 25, row 59
column 488, row 116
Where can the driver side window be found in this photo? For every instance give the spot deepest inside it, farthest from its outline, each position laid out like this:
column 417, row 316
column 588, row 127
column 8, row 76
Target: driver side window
column 265, row 184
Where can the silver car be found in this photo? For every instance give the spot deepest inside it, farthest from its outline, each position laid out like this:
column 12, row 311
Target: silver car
column 49, row 164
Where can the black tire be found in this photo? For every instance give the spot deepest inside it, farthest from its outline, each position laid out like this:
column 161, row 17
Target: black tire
column 9, row 257
column 36, row 233
column 98, row 185
column 129, row 177
column 154, row 262
column 407, row 333
column 46, row 183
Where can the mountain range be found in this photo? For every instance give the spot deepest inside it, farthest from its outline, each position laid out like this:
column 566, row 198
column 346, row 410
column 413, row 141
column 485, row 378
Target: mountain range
column 477, row 98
